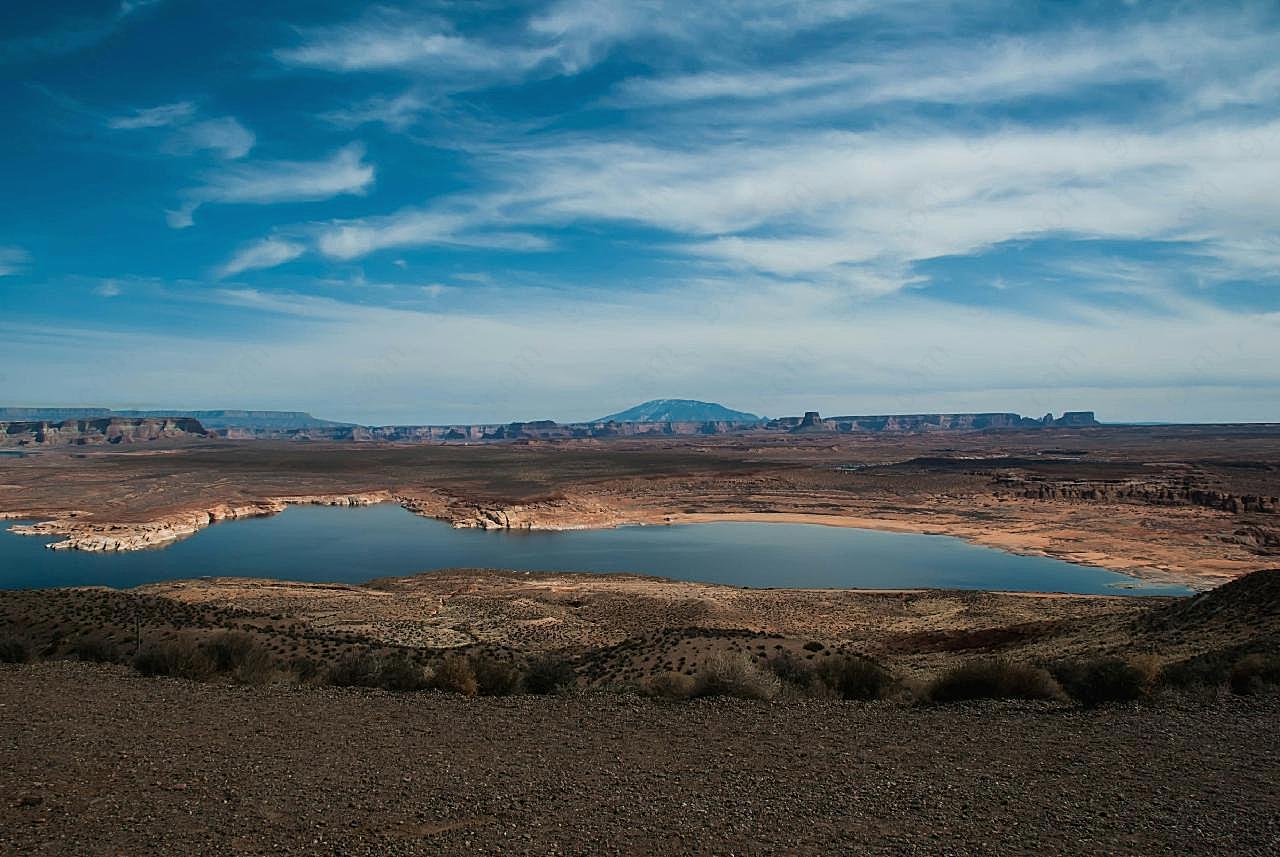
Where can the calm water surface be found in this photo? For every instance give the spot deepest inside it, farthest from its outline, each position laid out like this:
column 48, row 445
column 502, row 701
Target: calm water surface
column 329, row 544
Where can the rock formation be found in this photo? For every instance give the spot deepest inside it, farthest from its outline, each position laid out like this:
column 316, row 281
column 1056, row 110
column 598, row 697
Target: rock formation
column 109, row 430
column 127, row 430
column 813, row 422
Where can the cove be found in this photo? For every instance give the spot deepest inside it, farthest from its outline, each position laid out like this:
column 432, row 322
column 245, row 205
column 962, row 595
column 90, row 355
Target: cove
column 354, row 545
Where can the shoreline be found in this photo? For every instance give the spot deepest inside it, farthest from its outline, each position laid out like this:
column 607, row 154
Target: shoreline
column 566, row 515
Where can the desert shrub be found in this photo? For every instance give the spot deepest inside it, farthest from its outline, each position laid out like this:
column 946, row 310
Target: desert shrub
column 179, row 658
column 737, row 675
column 1097, row 682
column 1254, row 673
column 1151, row 668
column 1207, row 670
column 356, row 669
column 993, row 679
column 14, row 650
column 854, row 677
column 241, row 656
column 669, row 685
column 96, row 649
column 549, row 674
column 813, row 646
column 795, row 673
column 495, row 677
column 402, row 674
column 454, row 675
column 306, row 669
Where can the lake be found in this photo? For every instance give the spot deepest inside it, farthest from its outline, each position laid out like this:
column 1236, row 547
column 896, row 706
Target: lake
column 353, row 545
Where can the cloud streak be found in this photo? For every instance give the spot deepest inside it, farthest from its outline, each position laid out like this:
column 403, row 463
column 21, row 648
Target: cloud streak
column 352, row 361
column 267, row 253
column 160, row 116
column 13, row 260
column 268, row 182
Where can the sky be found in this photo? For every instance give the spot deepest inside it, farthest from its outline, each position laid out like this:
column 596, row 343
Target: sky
column 435, row 212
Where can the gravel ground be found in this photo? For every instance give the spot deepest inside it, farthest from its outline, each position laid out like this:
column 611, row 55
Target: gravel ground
column 99, row 761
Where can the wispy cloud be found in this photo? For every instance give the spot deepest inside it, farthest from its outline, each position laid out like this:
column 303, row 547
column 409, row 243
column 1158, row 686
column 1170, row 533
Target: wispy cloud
column 267, row 253
column 1213, row 54
column 397, row 113
column 388, row 40
column 812, row 204
column 565, row 37
column 365, row 362
column 161, row 116
column 267, row 182
column 224, row 136
column 74, row 34
column 471, row 228
column 13, row 260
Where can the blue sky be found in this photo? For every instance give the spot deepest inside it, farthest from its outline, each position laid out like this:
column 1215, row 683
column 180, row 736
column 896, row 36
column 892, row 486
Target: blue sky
column 481, row 211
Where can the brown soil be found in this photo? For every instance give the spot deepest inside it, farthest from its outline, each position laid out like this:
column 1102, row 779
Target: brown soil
column 99, row 761
column 621, row 630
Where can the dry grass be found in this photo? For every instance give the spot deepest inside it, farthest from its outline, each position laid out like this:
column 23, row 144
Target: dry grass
column 454, row 675
column 728, row 674
column 993, row 678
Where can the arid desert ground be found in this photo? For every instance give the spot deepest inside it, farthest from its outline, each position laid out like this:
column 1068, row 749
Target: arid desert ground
column 491, row 711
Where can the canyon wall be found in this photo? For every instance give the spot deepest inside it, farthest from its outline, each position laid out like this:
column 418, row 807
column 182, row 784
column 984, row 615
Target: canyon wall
column 99, row 431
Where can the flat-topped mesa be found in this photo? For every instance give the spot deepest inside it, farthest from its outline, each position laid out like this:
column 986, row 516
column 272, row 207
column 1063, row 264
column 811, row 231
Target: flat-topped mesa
column 100, row 431
column 812, row 421
column 1075, row 418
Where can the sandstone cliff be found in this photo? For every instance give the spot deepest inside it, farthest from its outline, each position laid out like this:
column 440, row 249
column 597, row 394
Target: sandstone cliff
column 101, row 431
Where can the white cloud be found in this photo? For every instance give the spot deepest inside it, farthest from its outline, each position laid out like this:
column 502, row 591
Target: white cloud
column 383, row 43
column 566, row 37
column 108, row 289
column 163, row 116
column 804, row 349
column 398, row 113
column 1210, row 54
column 807, row 204
column 267, row 182
column 352, row 239
column 225, row 136
column 13, row 260
column 267, row 253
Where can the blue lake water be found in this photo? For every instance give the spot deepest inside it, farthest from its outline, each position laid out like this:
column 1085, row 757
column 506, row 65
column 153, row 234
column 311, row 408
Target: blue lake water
column 353, row 545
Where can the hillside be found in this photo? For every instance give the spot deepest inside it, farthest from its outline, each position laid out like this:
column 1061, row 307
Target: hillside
column 679, row 411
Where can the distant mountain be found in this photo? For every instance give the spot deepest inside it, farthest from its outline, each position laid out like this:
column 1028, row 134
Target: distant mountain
column 680, row 411
column 221, row 419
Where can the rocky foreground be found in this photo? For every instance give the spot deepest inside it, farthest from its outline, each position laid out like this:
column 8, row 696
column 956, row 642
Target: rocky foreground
column 100, row 761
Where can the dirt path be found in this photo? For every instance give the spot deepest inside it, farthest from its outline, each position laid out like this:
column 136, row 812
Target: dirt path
column 98, row 761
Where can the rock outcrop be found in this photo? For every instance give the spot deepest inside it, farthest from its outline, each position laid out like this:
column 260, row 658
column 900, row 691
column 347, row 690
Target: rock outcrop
column 109, row 430
column 229, row 420
column 813, row 422
column 1152, row 492
column 97, row 537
